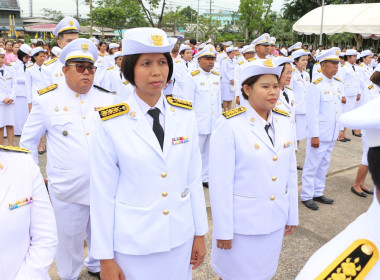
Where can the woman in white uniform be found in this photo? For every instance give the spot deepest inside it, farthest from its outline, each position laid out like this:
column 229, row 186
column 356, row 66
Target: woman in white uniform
column 112, row 49
column 227, row 68
column 28, row 235
column 253, row 180
column 7, row 98
column 371, row 91
column 22, row 109
column 148, row 213
column 301, row 81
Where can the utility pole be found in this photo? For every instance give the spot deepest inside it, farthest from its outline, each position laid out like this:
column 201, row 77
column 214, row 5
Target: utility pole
column 209, row 28
column 323, row 11
column 30, row 8
column 198, row 23
column 77, row 2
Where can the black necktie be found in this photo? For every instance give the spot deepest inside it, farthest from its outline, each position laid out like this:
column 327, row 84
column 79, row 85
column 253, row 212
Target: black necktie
column 2, row 72
column 187, row 64
column 301, row 76
column 267, row 126
column 24, row 67
column 353, row 67
column 157, row 128
column 286, row 96
column 39, row 69
column 121, row 75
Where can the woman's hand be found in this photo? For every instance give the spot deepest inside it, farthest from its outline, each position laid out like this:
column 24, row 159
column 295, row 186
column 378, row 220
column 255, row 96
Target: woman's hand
column 289, row 230
column 224, row 244
column 198, row 252
column 109, row 270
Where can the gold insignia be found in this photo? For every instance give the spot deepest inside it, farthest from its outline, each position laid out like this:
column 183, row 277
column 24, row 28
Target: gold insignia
column 251, row 59
column 210, row 49
column 214, row 72
column 65, row 109
column 56, row 109
column 30, row 65
column 337, row 52
column 370, row 87
column 111, row 68
column 319, row 70
column 289, row 88
column 84, row 47
column 252, row 119
column 317, row 63
column 30, row 52
column 157, row 40
column 354, row 263
column 65, row 133
column 268, row 63
column 281, row 112
column 126, row 82
column 172, row 109
column 317, row 81
column 14, row 149
column 267, row 37
column 180, row 103
column 338, row 79
column 47, row 89
column 257, row 146
column 234, row 112
column 51, row 61
column 132, row 114
column 196, row 72
column 241, row 62
column 113, row 111
column 71, row 23
column 56, row 74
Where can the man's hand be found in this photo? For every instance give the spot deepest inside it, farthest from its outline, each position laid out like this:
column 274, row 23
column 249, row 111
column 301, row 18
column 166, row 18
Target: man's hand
column 224, row 244
column 358, row 97
column 289, row 230
column 232, row 82
column 7, row 101
column 109, row 270
column 238, row 100
column 315, row 142
column 198, row 252
column 344, row 100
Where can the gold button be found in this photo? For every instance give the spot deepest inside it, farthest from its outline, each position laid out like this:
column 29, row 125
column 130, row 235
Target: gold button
column 274, row 178
column 81, row 101
column 164, row 194
column 163, row 174
column 274, row 158
column 272, row 197
column 77, row 95
column 290, row 112
column 252, row 119
column 172, row 109
column 1, row 166
column 87, row 133
column 84, row 117
column 166, row 212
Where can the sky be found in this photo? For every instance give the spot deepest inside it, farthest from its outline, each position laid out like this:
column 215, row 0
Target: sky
column 68, row 7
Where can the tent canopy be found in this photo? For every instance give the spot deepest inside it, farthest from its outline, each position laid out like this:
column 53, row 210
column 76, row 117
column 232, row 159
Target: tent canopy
column 352, row 18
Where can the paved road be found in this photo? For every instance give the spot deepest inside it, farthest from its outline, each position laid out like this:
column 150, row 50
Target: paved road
column 316, row 227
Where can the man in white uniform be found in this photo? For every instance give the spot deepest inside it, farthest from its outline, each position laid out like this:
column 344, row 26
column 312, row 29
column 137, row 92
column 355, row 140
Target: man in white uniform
column 66, row 31
column 354, row 253
column 66, row 113
column 261, row 46
column 323, row 108
column 203, row 89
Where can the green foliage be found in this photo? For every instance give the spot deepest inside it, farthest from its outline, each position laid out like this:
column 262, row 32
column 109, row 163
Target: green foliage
column 174, row 20
column 189, row 13
column 52, row 14
column 281, row 29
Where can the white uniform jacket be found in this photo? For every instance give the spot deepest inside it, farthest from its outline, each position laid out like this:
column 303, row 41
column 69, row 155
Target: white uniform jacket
column 370, row 92
column 323, row 108
column 317, row 71
column 237, row 74
column 34, row 81
column 288, row 107
column 19, row 89
column 253, row 184
column 204, row 92
column 227, row 70
column 102, row 65
column 179, row 74
column 68, row 120
column 7, row 83
column 52, row 71
column 365, row 72
column 28, row 235
column 300, row 89
column 145, row 200
column 366, row 227
column 350, row 79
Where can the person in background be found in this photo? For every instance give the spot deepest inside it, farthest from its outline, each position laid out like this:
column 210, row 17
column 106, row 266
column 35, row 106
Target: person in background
column 13, row 56
column 261, row 46
column 193, row 46
column 9, row 56
column 182, row 68
column 175, row 54
column 112, row 48
column 227, row 73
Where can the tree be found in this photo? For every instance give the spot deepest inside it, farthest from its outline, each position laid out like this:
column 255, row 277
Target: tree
column 282, row 30
column 174, row 20
column 189, row 13
column 253, row 15
column 52, row 14
column 150, row 14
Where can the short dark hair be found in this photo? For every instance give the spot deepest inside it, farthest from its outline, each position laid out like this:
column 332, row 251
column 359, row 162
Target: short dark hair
column 193, row 41
column 129, row 62
column 249, row 82
column 374, row 164
column 375, row 78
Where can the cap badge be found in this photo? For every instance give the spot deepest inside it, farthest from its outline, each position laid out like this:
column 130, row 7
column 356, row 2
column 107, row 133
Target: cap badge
column 84, row 47
column 157, row 40
column 210, row 49
column 337, row 52
column 71, row 23
column 268, row 63
column 267, row 37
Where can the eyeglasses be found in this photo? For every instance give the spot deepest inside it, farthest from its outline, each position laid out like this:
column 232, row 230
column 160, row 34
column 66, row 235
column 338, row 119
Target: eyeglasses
column 80, row 68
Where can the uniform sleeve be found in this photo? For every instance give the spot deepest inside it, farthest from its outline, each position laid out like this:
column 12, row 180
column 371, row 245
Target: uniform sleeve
column 228, row 73
column 190, row 88
column 104, row 176
column 342, row 75
column 194, row 182
column 14, row 83
column 179, row 76
column 33, row 130
column 237, row 72
column 312, row 111
column 221, row 180
column 46, row 72
column 43, row 231
column 293, row 219
column 28, row 86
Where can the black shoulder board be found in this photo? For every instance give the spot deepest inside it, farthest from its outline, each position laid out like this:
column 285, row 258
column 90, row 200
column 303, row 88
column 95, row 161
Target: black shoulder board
column 104, row 90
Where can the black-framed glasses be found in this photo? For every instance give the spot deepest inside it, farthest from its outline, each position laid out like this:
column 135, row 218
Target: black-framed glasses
column 80, row 68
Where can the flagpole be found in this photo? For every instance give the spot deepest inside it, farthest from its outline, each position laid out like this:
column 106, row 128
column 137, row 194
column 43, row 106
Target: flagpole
column 323, row 11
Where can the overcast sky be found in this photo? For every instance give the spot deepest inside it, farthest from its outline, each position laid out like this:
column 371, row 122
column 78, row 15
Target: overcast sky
column 68, row 7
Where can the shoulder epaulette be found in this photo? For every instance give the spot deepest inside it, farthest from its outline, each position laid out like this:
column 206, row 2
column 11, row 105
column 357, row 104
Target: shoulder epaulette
column 113, row 111
column 51, row 61
column 180, row 103
column 14, row 149
column 356, row 261
column 103, row 89
column 343, row 64
column 30, row 65
column 241, row 62
column 251, row 59
column 224, row 57
column 275, row 55
column 214, row 72
column 126, row 82
column 337, row 79
column 294, row 69
column 102, row 55
column 370, row 87
column 111, row 68
column 319, row 70
column 317, row 81
column 47, row 89
column 361, row 65
column 178, row 61
column 196, row 72
column 288, row 87
column 8, row 64
column 317, row 63
column 281, row 112
column 234, row 112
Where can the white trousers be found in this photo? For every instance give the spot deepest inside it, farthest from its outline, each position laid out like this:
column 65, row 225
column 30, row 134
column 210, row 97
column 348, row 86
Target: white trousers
column 73, row 226
column 317, row 163
column 22, row 112
column 204, row 146
column 350, row 104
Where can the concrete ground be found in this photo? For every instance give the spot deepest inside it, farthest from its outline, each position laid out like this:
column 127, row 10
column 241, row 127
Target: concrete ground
column 316, row 227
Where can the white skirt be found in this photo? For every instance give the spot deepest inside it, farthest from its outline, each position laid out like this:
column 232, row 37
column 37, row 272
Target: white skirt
column 7, row 115
column 22, row 113
column 301, row 126
column 227, row 93
column 365, row 149
column 251, row 257
column 172, row 265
